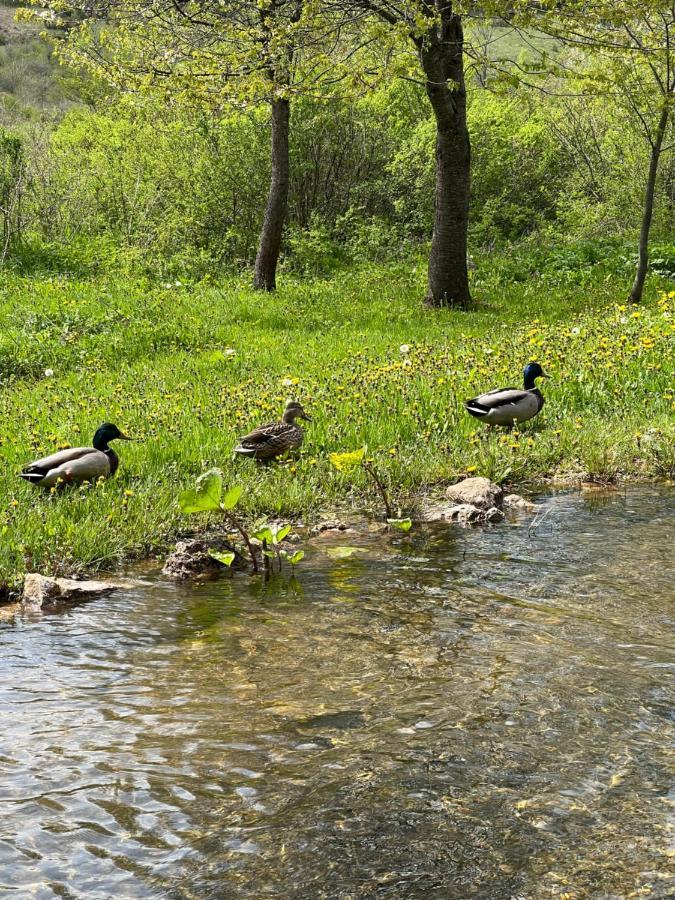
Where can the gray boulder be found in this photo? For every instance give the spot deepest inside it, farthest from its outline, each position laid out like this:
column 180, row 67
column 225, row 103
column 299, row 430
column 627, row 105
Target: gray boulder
column 480, row 492
column 40, row 590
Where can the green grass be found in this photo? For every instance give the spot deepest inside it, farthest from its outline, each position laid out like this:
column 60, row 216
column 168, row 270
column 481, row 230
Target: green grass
column 154, row 359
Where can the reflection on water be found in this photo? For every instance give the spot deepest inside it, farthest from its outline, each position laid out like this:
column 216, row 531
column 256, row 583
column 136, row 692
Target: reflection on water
column 458, row 714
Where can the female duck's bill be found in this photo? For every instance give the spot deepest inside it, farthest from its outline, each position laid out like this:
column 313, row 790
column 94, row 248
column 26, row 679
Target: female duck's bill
column 78, row 464
column 508, row 406
column 267, row 442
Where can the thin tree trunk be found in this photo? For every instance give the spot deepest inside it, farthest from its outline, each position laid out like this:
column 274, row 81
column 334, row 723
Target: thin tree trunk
column 441, row 54
column 269, row 246
column 643, row 258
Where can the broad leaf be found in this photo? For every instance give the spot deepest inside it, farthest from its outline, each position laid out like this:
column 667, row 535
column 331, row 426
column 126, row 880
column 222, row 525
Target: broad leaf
column 347, row 462
column 281, row 533
column 225, row 558
column 264, row 534
column 231, row 498
column 205, row 495
column 401, row 524
column 297, row 556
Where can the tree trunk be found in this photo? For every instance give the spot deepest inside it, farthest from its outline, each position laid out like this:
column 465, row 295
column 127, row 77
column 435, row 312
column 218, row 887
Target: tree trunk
column 441, row 54
column 269, row 246
column 643, row 257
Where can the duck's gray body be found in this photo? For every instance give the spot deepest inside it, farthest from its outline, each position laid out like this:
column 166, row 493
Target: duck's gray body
column 270, row 441
column 509, row 406
column 506, row 406
column 74, row 465
column 77, row 464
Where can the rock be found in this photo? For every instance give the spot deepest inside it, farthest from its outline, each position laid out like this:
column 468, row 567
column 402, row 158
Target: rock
column 330, row 525
column 461, row 514
column 516, row 502
column 41, row 590
column 480, row 492
column 191, row 559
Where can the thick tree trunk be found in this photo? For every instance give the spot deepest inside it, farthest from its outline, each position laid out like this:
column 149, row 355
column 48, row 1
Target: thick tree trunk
column 643, row 256
column 441, row 54
column 269, row 246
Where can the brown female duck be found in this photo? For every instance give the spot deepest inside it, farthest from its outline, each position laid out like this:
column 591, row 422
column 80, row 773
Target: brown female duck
column 269, row 441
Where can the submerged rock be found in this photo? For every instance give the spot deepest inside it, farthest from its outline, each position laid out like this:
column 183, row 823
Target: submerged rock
column 41, row 590
column 191, row 559
column 480, row 492
column 516, row 502
column 462, row 514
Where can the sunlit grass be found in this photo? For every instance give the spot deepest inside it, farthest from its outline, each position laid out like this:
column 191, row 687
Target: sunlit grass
column 189, row 368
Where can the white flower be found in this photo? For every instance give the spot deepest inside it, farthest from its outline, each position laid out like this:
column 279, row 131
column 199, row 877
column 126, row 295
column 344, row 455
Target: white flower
column 288, row 382
column 404, row 348
column 489, row 350
column 575, row 331
column 49, row 373
column 229, row 351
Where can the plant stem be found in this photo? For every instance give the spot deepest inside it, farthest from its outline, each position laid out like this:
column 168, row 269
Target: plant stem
column 247, row 540
column 381, row 488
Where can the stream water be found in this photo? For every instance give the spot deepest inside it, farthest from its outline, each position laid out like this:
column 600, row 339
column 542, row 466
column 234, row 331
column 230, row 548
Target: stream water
column 444, row 714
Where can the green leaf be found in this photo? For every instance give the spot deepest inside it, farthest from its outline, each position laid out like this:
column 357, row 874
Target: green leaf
column 231, row 498
column 205, row 495
column 342, row 552
column 401, row 524
column 296, row 557
column 264, row 534
column 270, row 554
column 281, row 533
column 225, row 558
column 347, row 462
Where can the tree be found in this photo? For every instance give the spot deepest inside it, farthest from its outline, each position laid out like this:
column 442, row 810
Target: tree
column 628, row 55
column 433, row 29
column 212, row 53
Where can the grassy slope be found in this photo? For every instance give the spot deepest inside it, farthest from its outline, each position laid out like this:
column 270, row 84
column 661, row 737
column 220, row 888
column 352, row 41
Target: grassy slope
column 153, row 358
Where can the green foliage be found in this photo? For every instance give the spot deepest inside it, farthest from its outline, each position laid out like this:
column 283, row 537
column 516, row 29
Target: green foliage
column 205, row 495
column 225, row 558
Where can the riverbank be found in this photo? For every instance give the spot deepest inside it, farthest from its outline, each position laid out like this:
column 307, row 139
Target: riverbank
column 189, row 367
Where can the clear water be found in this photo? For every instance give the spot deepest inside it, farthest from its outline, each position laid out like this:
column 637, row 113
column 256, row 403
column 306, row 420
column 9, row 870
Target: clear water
column 449, row 714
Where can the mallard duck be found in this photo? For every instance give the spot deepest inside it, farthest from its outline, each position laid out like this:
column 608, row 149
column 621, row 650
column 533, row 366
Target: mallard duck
column 506, row 406
column 269, row 441
column 78, row 464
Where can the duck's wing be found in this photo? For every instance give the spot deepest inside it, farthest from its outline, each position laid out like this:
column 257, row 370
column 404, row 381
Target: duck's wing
column 499, row 397
column 57, row 459
column 505, row 406
column 263, row 433
column 74, row 464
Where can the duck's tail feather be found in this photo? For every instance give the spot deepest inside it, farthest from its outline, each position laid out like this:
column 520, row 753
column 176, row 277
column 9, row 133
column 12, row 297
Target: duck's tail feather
column 245, row 451
column 35, row 477
column 474, row 408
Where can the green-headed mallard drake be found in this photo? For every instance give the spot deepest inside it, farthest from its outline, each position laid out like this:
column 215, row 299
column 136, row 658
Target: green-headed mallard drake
column 78, row 464
column 506, row 406
column 269, row 441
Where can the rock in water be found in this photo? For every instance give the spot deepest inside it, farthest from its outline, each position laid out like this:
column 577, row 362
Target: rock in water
column 516, row 502
column 191, row 559
column 480, row 492
column 461, row 514
column 41, row 590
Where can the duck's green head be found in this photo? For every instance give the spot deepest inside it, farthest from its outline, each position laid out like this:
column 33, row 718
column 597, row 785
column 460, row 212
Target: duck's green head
column 531, row 372
column 106, row 433
column 295, row 411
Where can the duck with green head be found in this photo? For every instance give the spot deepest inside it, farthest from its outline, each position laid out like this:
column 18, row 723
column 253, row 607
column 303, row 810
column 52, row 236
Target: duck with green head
column 78, row 464
column 509, row 406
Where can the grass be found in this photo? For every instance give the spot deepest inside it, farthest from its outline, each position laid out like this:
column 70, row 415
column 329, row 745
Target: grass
column 188, row 368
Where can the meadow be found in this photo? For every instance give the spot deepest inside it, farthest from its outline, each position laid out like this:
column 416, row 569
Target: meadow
column 188, row 367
